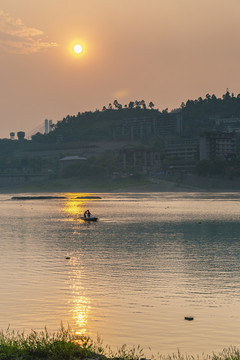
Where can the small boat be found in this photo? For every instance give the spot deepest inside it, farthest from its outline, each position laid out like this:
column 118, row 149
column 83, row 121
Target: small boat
column 189, row 318
column 89, row 218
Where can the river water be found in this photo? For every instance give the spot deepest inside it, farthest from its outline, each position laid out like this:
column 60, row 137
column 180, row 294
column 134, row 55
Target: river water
column 133, row 276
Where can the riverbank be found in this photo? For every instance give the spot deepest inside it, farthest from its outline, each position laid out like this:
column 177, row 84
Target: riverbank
column 185, row 183
column 64, row 345
column 120, row 185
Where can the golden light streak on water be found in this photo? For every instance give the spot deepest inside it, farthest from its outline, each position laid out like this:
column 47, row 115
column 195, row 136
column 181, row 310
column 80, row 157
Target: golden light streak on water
column 74, row 206
column 80, row 314
column 80, row 304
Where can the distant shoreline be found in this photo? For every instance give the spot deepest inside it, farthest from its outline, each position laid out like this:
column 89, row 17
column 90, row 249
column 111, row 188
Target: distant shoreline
column 187, row 184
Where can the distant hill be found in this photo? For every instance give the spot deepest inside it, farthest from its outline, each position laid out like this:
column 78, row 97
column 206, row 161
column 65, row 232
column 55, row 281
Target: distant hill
column 133, row 128
column 201, row 114
column 197, row 115
column 97, row 125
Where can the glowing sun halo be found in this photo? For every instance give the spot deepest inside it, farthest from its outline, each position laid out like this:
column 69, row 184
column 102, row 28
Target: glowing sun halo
column 78, row 49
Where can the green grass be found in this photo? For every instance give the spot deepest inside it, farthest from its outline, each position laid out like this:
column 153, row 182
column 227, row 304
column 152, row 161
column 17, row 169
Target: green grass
column 64, row 345
column 77, row 185
column 42, row 345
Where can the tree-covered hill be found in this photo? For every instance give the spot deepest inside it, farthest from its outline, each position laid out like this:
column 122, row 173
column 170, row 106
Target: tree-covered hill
column 97, row 125
column 197, row 115
column 201, row 114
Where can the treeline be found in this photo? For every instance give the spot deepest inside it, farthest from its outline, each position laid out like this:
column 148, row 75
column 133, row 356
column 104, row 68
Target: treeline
column 211, row 106
column 131, row 105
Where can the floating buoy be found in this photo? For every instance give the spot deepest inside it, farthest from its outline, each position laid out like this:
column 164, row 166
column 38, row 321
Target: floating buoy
column 67, row 258
column 189, row 318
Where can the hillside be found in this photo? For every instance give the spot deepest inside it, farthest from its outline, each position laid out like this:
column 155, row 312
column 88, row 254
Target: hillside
column 113, row 122
column 121, row 141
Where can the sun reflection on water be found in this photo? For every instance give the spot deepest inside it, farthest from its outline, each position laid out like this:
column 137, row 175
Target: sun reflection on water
column 81, row 310
column 76, row 205
column 80, row 304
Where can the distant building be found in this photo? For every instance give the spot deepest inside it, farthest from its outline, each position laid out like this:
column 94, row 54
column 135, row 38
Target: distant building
column 180, row 167
column 141, row 128
column 140, row 160
column 228, row 124
column 21, row 135
column 69, row 160
column 50, row 125
column 46, row 128
column 181, row 155
column 72, row 158
column 181, row 148
column 178, row 156
column 217, row 145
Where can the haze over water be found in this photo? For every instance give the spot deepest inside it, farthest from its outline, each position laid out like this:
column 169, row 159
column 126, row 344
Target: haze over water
column 151, row 260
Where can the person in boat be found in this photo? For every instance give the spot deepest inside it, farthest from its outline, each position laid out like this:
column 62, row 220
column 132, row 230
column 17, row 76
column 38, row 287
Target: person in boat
column 87, row 213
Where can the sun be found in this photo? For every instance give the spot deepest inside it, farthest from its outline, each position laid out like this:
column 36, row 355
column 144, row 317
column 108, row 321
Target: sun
column 78, row 49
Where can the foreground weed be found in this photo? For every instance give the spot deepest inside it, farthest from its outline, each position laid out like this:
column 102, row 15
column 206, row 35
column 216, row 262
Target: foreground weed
column 231, row 353
column 135, row 353
column 65, row 345
column 62, row 345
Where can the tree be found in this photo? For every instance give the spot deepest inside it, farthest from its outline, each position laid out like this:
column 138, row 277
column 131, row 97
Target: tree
column 151, row 105
column 142, row 103
column 208, row 97
column 131, row 105
column 117, row 105
column 226, row 95
column 138, row 104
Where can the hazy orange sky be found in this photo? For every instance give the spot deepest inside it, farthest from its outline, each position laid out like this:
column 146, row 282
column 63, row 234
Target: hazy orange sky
column 164, row 51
